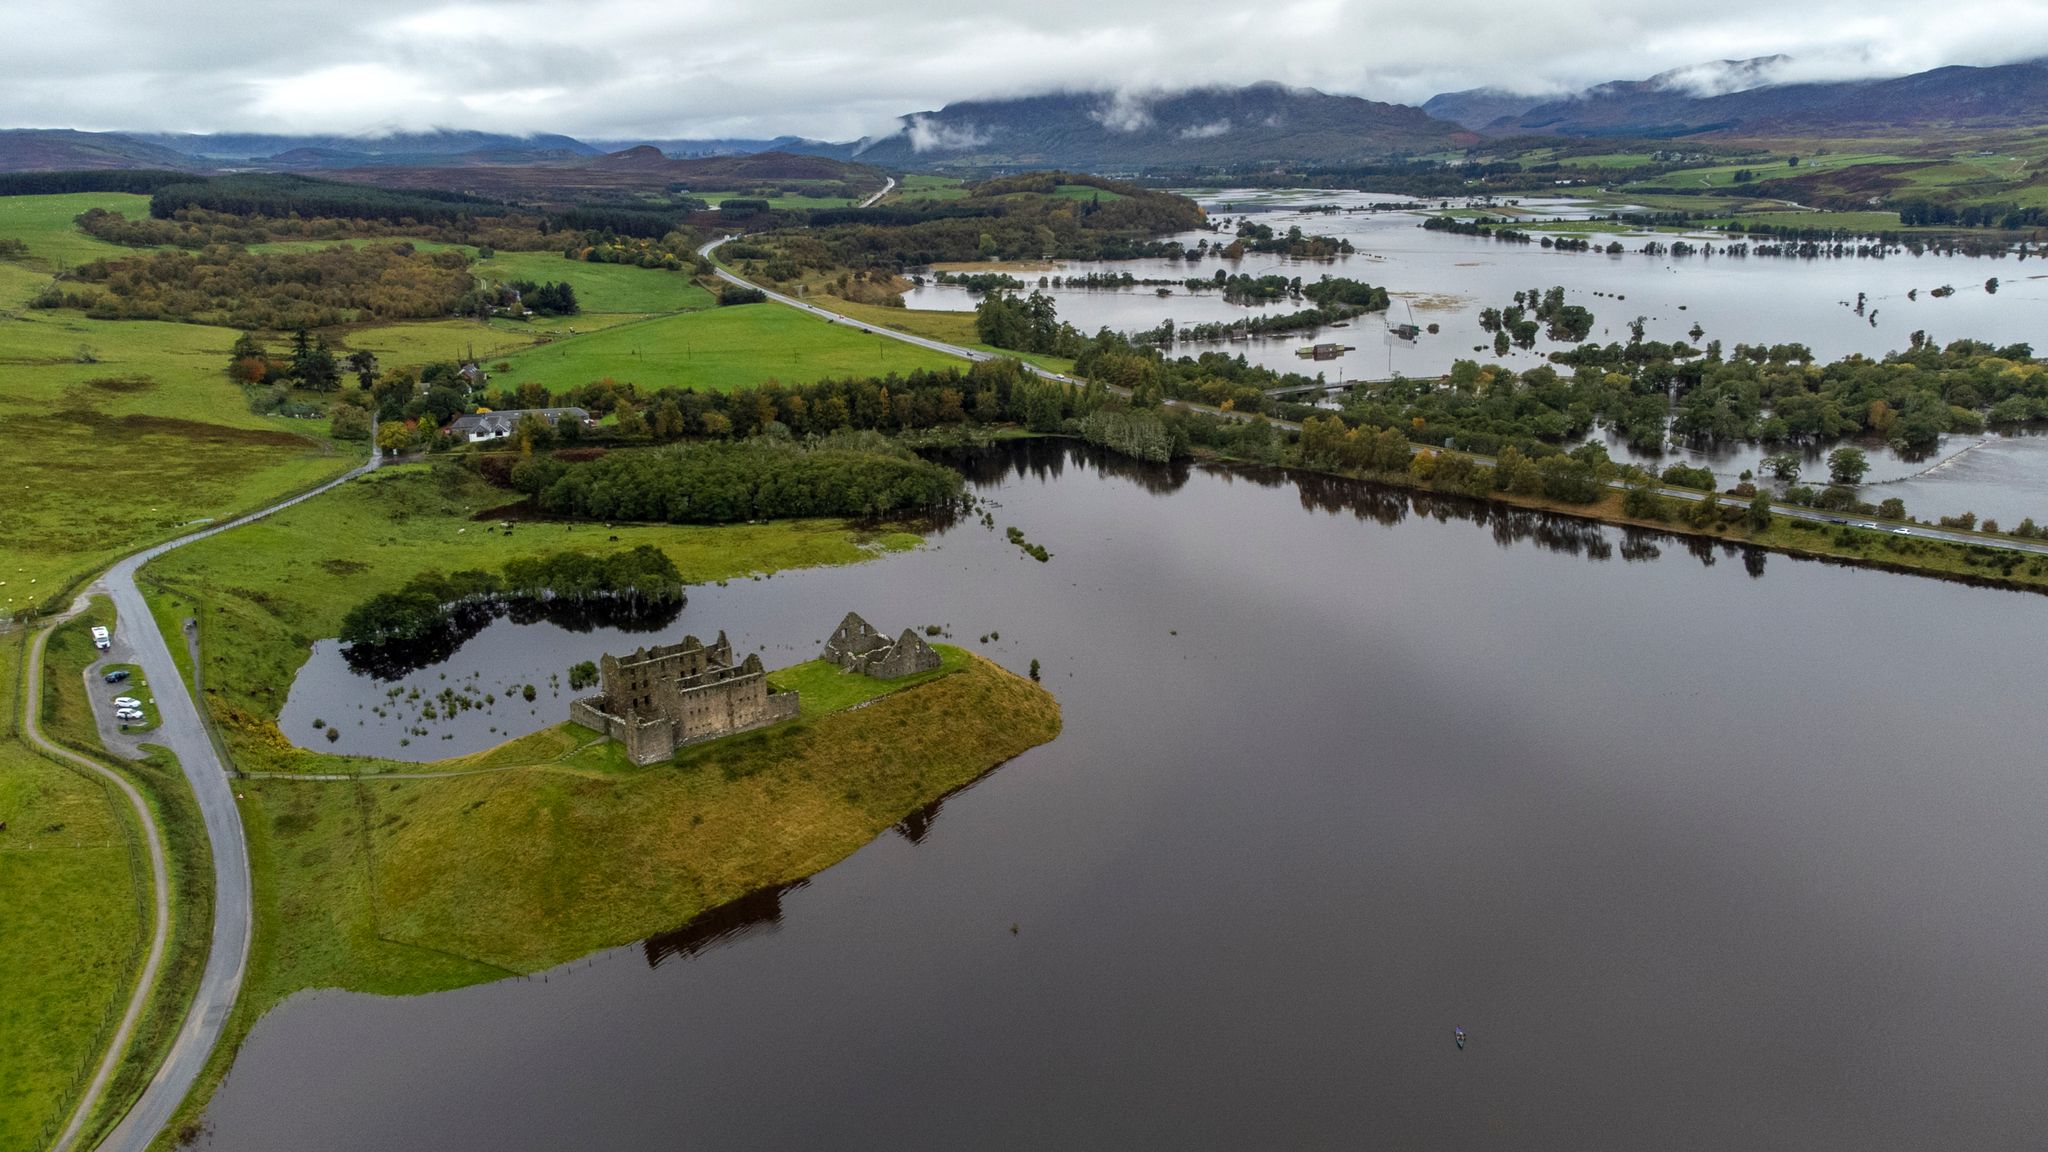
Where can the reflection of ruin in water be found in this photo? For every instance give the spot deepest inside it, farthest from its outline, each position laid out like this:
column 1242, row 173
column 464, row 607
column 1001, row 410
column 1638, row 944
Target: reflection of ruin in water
column 757, row 913
column 464, row 622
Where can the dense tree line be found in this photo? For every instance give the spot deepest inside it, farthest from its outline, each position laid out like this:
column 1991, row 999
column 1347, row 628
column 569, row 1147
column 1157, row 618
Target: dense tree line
column 139, row 181
column 275, row 290
column 280, row 195
column 638, row 577
column 1009, row 218
column 762, row 478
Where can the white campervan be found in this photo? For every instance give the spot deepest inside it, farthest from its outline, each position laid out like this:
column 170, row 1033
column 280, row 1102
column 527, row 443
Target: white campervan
column 101, row 639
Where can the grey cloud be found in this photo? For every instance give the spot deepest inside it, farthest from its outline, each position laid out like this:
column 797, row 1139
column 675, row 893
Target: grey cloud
column 636, row 67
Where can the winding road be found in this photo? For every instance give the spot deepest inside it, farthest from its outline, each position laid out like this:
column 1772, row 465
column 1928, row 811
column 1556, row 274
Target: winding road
column 183, row 732
column 159, row 878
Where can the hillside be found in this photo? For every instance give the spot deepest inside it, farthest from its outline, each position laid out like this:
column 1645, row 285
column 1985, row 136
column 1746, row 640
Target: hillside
column 636, row 170
column 1944, row 99
column 61, row 149
column 335, row 151
column 1104, row 131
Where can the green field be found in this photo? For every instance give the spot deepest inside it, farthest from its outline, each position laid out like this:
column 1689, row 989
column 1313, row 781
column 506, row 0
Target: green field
column 933, row 324
column 719, row 350
column 602, row 287
column 922, row 186
column 100, row 457
column 825, row 688
column 785, row 200
column 72, row 924
column 44, row 223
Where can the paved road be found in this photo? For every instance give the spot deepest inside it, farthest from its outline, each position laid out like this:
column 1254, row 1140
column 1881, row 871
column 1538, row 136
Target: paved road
column 871, row 201
column 159, row 879
column 941, row 346
column 184, row 733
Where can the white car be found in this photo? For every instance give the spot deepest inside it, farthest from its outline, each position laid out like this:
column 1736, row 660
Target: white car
column 127, row 702
column 130, row 714
column 1902, row 532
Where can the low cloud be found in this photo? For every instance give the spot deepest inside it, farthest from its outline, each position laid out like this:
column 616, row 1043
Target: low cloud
column 1207, row 131
column 928, row 135
column 1125, row 112
column 624, row 68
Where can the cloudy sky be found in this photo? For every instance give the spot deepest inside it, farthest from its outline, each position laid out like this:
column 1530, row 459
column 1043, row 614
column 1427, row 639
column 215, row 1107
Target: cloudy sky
column 837, row 69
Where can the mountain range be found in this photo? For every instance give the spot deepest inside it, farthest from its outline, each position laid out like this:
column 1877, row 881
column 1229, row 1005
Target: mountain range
column 1209, row 127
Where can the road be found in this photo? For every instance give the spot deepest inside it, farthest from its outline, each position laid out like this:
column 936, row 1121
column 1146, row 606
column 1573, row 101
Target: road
column 159, row 878
column 871, row 201
column 941, row 346
column 184, row 733
column 1796, row 512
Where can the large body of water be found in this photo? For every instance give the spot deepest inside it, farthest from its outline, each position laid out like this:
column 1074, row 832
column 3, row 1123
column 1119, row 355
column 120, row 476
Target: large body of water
column 1706, row 850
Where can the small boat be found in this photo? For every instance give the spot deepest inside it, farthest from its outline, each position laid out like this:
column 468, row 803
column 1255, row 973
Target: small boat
column 1459, row 1033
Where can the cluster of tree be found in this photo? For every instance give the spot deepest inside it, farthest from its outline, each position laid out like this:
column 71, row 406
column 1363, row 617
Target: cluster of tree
column 280, row 195
column 1022, row 217
column 989, row 392
column 762, row 478
column 202, row 228
column 674, row 251
column 1031, row 324
column 274, row 290
column 1767, row 394
column 979, row 282
column 1518, row 322
column 641, row 576
column 1493, row 226
column 1918, row 212
column 1266, row 324
column 554, row 298
column 1141, row 435
column 741, row 294
column 1255, row 237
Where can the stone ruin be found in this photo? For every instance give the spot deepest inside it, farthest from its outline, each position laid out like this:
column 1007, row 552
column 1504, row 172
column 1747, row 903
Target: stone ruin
column 672, row 695
column 855, row 646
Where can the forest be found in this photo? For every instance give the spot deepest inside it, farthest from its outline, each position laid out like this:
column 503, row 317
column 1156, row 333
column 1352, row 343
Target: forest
column 233, row 286
column 764, row 478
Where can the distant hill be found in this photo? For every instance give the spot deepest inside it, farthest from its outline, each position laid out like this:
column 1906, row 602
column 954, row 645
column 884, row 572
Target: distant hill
column 63, row 150
column 2006, row 96
column 688, row 149
column 349, row 151
column 1475, row 108
column 1110, row 132
column 640, row 169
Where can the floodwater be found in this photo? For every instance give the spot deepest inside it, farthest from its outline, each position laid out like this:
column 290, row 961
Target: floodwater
column 1704, row 849
column 1447, row 280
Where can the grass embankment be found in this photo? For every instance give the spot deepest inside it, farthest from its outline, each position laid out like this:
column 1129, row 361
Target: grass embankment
column 825, row 688
column 265, row 591
column 409, row 886
column 73, row 885
column 720, row 350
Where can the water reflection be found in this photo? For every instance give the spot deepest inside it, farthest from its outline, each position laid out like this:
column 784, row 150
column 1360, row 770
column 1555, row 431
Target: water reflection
column 464, row 622
column 757, row 913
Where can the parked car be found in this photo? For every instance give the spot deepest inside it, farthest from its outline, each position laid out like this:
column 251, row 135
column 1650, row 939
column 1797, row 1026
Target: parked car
column 127, row 702
column 129, row 714
column 117, row 675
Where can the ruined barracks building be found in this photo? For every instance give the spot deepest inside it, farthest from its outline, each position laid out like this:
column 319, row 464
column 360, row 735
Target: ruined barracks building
column 856, row 647
column 662, row 698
